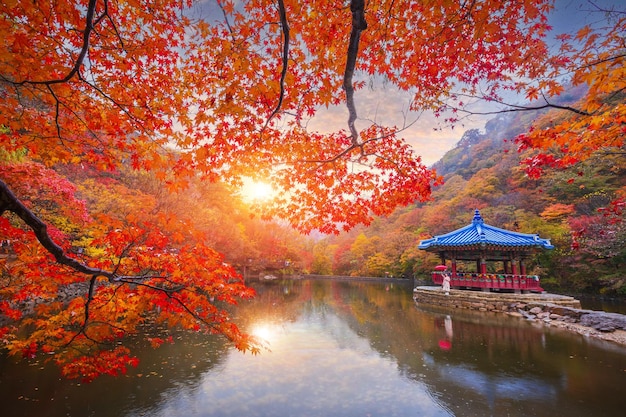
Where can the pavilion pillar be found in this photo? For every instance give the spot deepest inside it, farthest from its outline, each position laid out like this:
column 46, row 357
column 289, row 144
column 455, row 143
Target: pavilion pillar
column 483, row 265
column 454, row 267
column 522, row 267
column 513, row 267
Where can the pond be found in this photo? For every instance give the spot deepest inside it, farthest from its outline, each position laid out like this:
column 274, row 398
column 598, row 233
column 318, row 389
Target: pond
column 346, row 349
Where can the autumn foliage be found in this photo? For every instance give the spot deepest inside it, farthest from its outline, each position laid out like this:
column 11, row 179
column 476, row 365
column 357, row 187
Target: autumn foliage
column 594, row 58
column 185, row 93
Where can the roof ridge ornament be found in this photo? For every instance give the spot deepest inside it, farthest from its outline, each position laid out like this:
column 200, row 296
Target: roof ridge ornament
column 477, row 217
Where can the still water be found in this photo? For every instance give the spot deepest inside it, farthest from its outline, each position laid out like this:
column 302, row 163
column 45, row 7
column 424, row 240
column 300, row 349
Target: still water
column 345, row 349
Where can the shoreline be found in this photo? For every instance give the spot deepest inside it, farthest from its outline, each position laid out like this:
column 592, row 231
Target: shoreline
column 616, row 336
column 550, row 310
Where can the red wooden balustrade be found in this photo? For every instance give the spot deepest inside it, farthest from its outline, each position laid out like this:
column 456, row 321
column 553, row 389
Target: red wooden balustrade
column 489, row 281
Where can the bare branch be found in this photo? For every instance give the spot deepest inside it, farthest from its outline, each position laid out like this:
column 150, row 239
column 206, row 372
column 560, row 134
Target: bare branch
column 357, row 7
column 547, row 105
column 221, row 6
column 285, row 28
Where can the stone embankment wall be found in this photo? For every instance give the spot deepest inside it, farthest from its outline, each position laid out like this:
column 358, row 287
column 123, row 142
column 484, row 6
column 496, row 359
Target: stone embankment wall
column 490, row 301
column 551, row 309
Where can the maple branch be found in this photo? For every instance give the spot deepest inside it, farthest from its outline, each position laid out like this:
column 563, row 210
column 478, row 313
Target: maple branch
column 92, row 284
column 357, row 7
column 603, row 61
column 166, row 290
column 90, row 21
column 513, row 107
column 104, row 14
column 221, row 6
column 285, row 28
column 9, row 202
column 209, row 324
column 352, row 147
column 83, row 328
column 137, row 122
column 360, row 146
column 547, row 105
column 56, row 111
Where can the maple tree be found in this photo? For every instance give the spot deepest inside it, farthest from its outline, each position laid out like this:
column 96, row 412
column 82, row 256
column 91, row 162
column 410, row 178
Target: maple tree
column 590, row 60
column 594, row 57
column 585, row 140
column 169, row 89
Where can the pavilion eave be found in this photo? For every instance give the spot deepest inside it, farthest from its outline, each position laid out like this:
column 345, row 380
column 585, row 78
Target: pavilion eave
column 480, row 250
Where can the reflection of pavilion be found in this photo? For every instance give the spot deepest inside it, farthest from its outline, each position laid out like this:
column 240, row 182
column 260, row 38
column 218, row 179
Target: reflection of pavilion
column 483, row 244
column 488, row 365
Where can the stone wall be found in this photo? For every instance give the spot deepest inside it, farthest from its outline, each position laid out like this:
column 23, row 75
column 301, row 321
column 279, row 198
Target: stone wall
column 490, row 301
column 550, row 309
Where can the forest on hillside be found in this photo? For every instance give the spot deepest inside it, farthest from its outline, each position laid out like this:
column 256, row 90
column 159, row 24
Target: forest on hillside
column 580, row 208
column 213, row 213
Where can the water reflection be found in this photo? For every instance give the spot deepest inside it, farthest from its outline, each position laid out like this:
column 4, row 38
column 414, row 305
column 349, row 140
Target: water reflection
column 476, row 379
column 37, row 390
column 317, row 366
column 348, row 349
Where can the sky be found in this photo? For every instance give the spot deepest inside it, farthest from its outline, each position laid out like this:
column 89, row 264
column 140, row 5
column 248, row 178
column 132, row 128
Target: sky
column 386, row 105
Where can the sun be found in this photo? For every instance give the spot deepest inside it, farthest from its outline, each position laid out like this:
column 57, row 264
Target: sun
column 257, row 191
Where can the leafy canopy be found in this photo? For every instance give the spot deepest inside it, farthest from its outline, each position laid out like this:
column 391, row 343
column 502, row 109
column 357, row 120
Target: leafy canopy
column 228, row 93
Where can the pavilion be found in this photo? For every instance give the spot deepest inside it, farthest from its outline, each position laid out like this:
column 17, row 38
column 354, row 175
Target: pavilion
column 484, row 244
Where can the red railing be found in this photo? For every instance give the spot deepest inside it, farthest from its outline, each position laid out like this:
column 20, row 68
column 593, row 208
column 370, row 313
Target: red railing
column 491, row 281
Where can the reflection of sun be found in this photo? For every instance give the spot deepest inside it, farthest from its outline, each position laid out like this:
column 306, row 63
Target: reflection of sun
column 257, row 191
column 264, row 331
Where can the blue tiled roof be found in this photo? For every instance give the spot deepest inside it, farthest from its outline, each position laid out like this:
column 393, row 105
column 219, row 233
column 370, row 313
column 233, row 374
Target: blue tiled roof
column 480, row 233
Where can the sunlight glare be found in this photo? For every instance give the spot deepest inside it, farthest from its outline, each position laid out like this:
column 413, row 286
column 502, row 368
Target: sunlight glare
column 257, row 191
column 266, row 332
